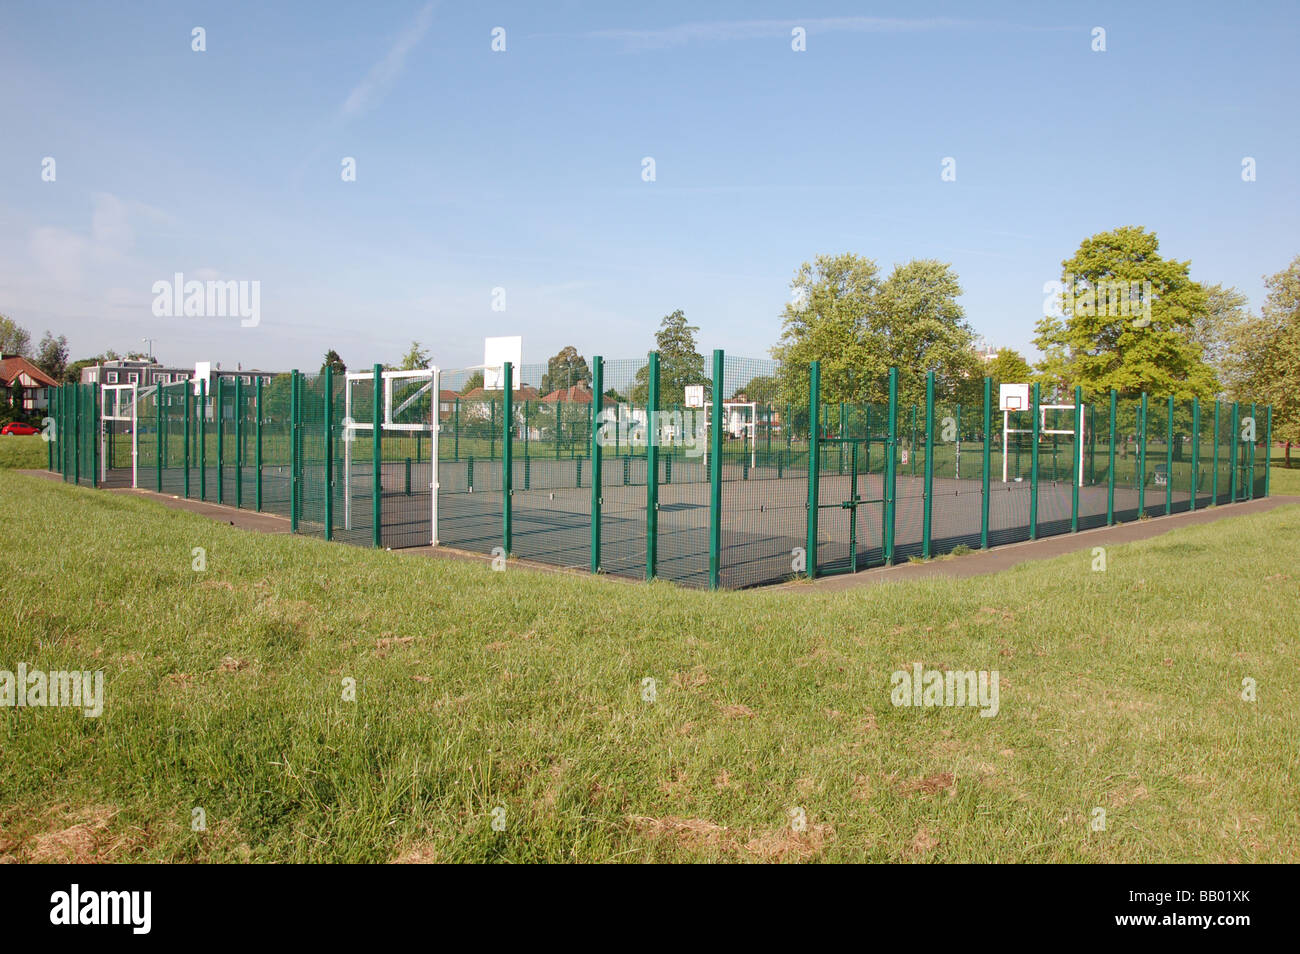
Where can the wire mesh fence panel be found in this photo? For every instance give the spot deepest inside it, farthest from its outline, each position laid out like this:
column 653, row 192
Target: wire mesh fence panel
column 470, row 508
column 1180, row 472
column 909, row 508
column 276, row 433
column 550, row 446
column 1094, row 492
column 1056, row 469
column 958, row 478
column 1226, row 442
column 624, row 471
column 172, row 437
column 352, row 446
column 1128, row 414
column 1155, row 468
column 406, row 475
column 314, row 466
column 764, row 503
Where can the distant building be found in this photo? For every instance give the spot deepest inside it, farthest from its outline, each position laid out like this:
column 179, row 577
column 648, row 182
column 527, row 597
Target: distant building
column 25, row 385
column 145, row 373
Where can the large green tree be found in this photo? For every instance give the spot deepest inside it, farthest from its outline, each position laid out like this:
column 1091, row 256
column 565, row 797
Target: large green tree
column 14, row 338
column 52, row 355
column 565, row 369
column 680, row 363
column 333, row 362
column 1153, row 348
column 858, row 326
column 1008, row 366
column 1262, row 365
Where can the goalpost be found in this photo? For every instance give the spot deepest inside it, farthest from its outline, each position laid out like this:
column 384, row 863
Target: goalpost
column 392, row 420
column 118, row 404
column 1015, row 397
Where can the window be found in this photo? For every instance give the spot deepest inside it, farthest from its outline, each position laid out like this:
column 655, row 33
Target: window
column 112, row 377
column 133, row 378
column 247, row 379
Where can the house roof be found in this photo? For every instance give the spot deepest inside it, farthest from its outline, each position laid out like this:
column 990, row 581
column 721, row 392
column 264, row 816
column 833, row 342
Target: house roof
column 578, row 394
column 11, row 368
column 526, row 393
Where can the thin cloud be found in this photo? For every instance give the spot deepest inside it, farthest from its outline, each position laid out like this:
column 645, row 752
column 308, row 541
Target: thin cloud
column 383, row 73
column 765, row 29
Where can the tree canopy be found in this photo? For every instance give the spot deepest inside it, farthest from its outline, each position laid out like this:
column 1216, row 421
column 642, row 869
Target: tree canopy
column 565, row 369
column 858, row 326
column 1103, row 338
column 680, row 363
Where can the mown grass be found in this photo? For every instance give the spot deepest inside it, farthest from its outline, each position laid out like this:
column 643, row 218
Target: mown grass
column 478, row 690
column 23, row 452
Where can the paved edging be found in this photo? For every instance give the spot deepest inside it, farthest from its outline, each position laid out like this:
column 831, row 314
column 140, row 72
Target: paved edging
column 997, row 559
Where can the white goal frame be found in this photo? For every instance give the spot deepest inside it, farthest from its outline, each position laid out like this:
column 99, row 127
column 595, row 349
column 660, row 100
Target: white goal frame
column 433, row 375
column 107, row 391
column 1044, row 429
column 750, row 425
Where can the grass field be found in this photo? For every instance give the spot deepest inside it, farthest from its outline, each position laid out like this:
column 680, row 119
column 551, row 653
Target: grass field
column 479, row 690
column 24, row 452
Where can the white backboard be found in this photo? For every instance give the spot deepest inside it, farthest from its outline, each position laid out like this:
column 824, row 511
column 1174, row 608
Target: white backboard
column 1013, row 397
column 497, row 351
column 695, row 395
column 202, row 373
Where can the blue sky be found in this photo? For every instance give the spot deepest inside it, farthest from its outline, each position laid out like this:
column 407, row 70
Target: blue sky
column 522, row 169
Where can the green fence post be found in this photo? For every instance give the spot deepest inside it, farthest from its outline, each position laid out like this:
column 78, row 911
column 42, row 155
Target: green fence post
column 1076, row 471
column 1196, row 450
column 257, row 447
column 1234, row 459
column 891, row 469
column 507, row 454
column 157, row 437
column 1268, row 446
column 652, row 469
column 1142, row 457
column 294, row 411
column 1255, row 439
column 239, row 442
column 203, row 439
column 456, row 428
column 221, row 438
column 929, row 465
column 329, row 450
column 187, row 440
column 715, row 475
column 1169, row 461
column 597, row 402
column 988, row 462
column 1110, row 468
column 1033, row 465
column 1214, row 472
column 814, row 465
column 377, row 458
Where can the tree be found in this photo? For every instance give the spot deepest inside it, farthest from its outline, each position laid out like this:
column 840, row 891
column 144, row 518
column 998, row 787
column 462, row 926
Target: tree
column 565, row 369
column 1008, row 367
column 14, row 339
column 475, row 380
column 415, row 359
column 858, row 327
column 1128, row 321
column 72, row 373
column 333, row 362
column 52, row 356
column 1263, row 358
column 680, row 363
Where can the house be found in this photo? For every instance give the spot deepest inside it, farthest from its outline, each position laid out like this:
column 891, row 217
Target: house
column 25, row 385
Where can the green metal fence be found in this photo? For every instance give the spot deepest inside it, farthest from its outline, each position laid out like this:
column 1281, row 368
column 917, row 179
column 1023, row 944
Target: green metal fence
column 694, row 473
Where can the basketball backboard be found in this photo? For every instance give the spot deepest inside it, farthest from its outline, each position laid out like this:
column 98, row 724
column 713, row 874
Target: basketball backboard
column 496, row 352
column 1013, row 397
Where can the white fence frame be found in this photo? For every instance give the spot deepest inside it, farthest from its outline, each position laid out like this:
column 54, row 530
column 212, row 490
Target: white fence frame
column 105, row 391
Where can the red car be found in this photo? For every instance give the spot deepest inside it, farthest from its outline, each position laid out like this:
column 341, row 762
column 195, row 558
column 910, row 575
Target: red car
column 13, row 427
